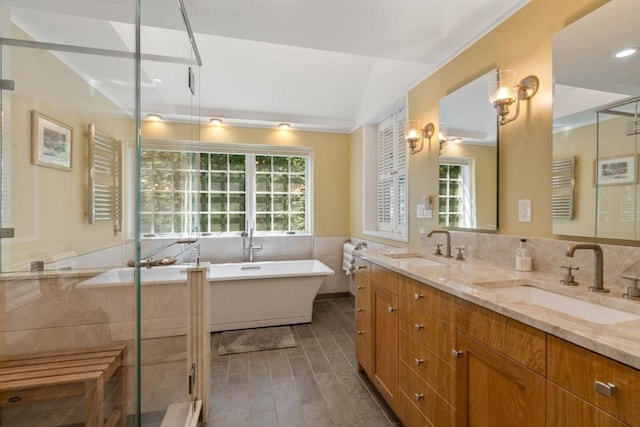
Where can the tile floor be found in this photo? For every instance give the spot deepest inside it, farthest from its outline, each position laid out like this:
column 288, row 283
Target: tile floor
column 313, row 384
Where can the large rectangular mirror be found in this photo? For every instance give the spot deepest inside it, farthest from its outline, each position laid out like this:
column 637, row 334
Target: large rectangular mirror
column 468, row 166
column 596, row 126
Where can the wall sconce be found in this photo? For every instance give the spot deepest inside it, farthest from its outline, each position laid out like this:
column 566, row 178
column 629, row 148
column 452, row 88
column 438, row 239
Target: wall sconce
column 504, row 90
column 443, row 129
column 284, row 126
column 414, row 133
column 215, row 121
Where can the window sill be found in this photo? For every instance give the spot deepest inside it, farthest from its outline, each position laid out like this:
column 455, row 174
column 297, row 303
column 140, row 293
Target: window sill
column 386, row 235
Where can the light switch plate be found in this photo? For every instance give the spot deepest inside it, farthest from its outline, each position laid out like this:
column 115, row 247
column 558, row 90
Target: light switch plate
column 524, row 210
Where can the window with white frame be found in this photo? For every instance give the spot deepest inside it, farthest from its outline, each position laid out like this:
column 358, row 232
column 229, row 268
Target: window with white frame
column 456, row 188
column 219, row 191
column 385, row 180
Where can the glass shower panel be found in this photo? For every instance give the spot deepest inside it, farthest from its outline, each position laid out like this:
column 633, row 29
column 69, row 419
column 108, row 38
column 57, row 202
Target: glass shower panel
column 169, row 77
column 67, row 310
column 616, row 171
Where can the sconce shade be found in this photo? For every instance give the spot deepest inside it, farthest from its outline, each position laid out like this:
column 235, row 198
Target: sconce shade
column 502, row 87
column 505, row 90
column 443, row 132
column 412, row 131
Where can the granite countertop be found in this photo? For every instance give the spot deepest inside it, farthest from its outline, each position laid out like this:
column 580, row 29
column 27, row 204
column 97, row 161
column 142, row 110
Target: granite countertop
column 480, row 282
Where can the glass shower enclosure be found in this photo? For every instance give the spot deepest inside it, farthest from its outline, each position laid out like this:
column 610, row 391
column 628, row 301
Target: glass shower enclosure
column 86, row 335
column 616, row 170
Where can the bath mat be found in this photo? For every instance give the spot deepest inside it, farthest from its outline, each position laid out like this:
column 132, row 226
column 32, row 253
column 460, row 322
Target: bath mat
column 247, row 340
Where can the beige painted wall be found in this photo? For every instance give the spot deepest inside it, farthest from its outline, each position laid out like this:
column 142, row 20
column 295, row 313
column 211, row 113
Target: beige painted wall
column 579, row 142
column 331, row 161
column 48, row 207
column 524, row 43
column 614, row 220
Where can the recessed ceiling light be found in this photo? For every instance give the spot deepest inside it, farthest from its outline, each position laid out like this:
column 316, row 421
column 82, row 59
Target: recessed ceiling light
column 215, row 121
column 626, row 52
column 154, row 117
column 284, row 126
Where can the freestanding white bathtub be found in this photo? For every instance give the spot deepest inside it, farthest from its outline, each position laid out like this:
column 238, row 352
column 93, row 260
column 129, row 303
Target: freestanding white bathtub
column 242, row 295
column 269, row 293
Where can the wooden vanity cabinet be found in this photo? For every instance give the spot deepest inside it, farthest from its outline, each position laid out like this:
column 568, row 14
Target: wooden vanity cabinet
column 384, row 294
column 443, row 361
column 363, row 337
column 581, row 382
column 499, row 370
column 427, row 374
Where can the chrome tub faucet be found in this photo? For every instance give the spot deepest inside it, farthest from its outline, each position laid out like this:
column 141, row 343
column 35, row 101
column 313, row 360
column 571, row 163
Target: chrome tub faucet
column 250, row 249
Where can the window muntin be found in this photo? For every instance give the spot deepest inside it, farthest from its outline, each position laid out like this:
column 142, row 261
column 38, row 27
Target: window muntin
column 224, row 193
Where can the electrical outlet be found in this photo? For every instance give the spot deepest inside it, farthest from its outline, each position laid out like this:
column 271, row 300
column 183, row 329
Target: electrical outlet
column 524, row 210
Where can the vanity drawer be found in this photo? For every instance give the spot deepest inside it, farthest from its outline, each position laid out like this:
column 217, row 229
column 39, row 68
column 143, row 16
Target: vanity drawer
column 434, row 334
column 362, row 292
column 384, row 277
column 430, row 404
column 520, row 342
column 438, row 374
column 582, row 371
column 565, row 409
column 435, row 302
column 362, row 269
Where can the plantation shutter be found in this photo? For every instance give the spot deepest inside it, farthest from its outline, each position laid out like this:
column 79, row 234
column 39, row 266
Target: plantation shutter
column 402, row 172
column 385, row 174
column 392, row 175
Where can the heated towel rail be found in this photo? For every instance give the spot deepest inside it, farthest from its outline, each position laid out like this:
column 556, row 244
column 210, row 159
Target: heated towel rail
column 563, row 186
column 105, row 179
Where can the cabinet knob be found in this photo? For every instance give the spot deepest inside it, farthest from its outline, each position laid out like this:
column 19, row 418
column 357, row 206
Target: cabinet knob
column 418, row 327
column 456, row 353
column 605, row 389
column 362, row 267
column 361, row 332
column 359, row 288
column 418, row 396
column 360, row 309
column 391, row 309
column 418, row 362
column 417, row 296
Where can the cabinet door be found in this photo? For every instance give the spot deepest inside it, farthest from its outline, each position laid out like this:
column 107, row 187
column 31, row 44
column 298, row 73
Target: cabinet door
column 494, row 390
column 385, row 343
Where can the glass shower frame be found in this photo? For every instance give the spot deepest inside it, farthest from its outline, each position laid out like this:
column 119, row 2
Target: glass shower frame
column 53, row 253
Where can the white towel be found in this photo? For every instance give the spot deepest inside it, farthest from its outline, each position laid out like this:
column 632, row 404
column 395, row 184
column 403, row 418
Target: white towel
column 348, row 260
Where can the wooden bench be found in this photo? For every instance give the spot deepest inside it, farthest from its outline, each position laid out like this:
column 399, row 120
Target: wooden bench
column 47, row 376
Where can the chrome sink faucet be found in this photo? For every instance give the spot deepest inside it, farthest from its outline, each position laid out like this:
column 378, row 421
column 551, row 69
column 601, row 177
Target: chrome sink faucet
column 598, row 281
column 448, row 246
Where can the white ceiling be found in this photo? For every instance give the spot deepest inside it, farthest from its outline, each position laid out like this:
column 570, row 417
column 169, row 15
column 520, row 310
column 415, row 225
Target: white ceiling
column 318, row 64
column 587, row 74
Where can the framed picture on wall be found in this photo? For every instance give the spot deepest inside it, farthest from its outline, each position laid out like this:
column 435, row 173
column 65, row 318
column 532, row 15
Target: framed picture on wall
column 615, row 171
column 51, row 142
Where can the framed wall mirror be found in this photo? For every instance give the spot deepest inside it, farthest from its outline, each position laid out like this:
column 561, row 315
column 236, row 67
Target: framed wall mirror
column 596, row 127
column 468, row 166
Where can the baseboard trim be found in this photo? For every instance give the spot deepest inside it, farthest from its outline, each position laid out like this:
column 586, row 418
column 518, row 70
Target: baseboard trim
column 332, row 295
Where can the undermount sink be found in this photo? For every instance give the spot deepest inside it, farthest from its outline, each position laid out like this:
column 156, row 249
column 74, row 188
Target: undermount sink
column 575, row 307
column 413, row 259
